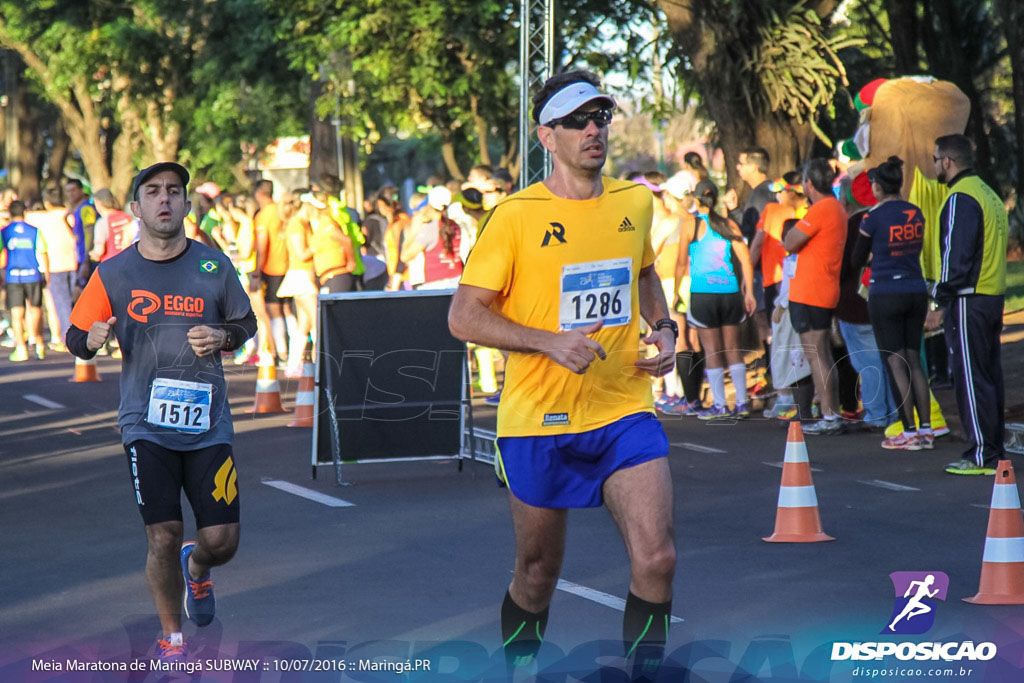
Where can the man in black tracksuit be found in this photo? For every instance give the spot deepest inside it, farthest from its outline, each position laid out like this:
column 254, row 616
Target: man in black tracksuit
column 973, row 228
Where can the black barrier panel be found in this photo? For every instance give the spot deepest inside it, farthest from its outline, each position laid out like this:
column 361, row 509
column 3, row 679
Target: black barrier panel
column 389, row 377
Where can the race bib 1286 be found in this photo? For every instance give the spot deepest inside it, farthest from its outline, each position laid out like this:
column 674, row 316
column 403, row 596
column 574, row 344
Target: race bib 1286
column 599, row 290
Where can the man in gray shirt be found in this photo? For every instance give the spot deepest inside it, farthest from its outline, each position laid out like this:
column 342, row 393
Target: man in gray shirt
column 173, row 305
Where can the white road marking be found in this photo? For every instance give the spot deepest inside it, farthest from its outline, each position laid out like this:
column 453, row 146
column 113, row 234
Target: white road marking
column 309, row 494
column 697, row 447
column 44, row 402
column 778, row 465
column 598, row 597
column 888, row 485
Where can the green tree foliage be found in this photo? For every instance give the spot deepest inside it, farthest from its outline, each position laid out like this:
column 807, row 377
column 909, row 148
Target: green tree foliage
column 408, row 65
column 132, row 79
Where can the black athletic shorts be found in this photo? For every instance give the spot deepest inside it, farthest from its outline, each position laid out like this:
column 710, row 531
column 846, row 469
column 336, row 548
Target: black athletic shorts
column 807, row 318
column 898, row 320
column 207, row 475
column 270, row 285
column 709, row 311
column 20, row 292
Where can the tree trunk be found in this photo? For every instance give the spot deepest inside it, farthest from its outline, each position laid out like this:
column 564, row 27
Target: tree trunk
column 1012, row 17
column 903, row 31
column 448, row 154
column 481, row 130
column 788, row 143
column 323, row 140
column 58, row 155
column 28, row 147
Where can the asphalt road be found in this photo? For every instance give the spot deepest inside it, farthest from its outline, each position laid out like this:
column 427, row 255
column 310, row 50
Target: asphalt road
column 416, row 564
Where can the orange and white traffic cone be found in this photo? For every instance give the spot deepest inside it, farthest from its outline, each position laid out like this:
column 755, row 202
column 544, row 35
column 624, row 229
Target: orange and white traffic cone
column 85, row 371
column 304, row 397
column 1002, row 566
column 797, row 519
column 268, row 391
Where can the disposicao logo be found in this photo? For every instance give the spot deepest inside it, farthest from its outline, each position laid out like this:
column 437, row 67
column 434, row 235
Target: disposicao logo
column 913, row 612
column 916, row 595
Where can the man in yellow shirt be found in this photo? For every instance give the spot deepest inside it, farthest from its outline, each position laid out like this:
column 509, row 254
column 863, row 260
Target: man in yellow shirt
column 559, row 277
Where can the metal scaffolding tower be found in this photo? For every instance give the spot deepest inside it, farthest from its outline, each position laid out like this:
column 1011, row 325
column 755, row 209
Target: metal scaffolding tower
column 536, row 57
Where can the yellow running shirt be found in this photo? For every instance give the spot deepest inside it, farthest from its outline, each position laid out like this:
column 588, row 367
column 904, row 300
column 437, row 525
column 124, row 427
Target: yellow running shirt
column 558, row 264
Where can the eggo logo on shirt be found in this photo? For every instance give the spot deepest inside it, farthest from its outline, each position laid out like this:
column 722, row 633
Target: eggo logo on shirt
column 144, row 303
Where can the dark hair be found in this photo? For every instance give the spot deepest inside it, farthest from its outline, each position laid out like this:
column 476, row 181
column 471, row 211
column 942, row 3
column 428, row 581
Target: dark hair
column 959, row 148
column 758, row 156
column 264, row 187
column 792, row 177
column 820, row 174
column 556, row 83
column 706, row 195
column 329, row 183
column 888, row 175
column 17, row 209
column 389, row 195
column 74, row 181
column 696, row 162
column 447, row 229
column 655, row 178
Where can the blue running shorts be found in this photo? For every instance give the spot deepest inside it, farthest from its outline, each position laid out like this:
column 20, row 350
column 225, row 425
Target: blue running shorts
column 568, row 470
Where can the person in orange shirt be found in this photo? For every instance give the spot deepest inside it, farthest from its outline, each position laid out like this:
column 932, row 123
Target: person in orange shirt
column 818, row 239
column 272, row 257
column 333, row 256
column 299, row 281
column 766, row 247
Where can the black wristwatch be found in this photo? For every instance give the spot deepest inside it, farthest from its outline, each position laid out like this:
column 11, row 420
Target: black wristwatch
column 669, row 323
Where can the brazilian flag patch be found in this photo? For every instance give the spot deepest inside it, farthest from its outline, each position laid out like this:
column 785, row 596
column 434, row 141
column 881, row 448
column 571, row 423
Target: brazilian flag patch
column 208, row 266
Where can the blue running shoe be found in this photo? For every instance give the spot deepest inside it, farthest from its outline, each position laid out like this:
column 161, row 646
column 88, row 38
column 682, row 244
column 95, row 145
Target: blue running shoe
column 199, row 601
column 716, row 413
column 742, row 410
column 665, row 404
column 493, row 399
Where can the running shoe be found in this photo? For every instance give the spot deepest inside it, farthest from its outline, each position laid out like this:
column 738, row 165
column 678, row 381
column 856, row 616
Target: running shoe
column 493, row 399
column 172, row 648
column 40, row 352
column 742, row 410
column 199, row 601
column 664, row 401
column 966, row 466
column 825, row 427
column 715, row 412
column 940, row 431
column 20, row 355
column 902, row 442
column 926, row 441
column 58, row 347
column 684, row 407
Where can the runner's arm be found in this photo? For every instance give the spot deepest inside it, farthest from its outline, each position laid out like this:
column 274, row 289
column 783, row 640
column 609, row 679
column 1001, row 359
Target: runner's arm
column 471, row 319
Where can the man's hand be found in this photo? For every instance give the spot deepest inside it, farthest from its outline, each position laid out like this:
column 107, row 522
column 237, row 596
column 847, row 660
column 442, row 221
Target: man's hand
column 933, row 321
column 99, row 333
column 663, row 363
column 575, row 350
column 206, row 340
column 749, row 303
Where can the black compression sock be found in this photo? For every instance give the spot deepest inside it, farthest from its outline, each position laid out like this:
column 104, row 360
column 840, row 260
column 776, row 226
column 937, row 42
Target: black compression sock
column 644, row 632
column 690, row 365
column 521, row 632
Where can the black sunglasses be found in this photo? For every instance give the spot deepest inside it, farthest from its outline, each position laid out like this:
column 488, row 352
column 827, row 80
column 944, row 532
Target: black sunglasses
column 578, row 120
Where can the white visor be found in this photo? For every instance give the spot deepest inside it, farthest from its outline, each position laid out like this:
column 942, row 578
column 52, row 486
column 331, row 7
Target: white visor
column 569, row 99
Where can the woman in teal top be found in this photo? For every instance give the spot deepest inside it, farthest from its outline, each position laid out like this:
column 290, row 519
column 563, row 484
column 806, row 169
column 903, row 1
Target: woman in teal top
column 712, row 251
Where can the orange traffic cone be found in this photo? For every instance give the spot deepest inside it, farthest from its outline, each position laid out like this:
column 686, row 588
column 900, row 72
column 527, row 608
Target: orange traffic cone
column 304, row 397
column 797, row 519
column 268, row 391
column 85, row 371
column 1002, row 566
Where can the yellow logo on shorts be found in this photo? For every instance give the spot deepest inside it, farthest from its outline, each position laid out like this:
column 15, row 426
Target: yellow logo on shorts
column 225, row 480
